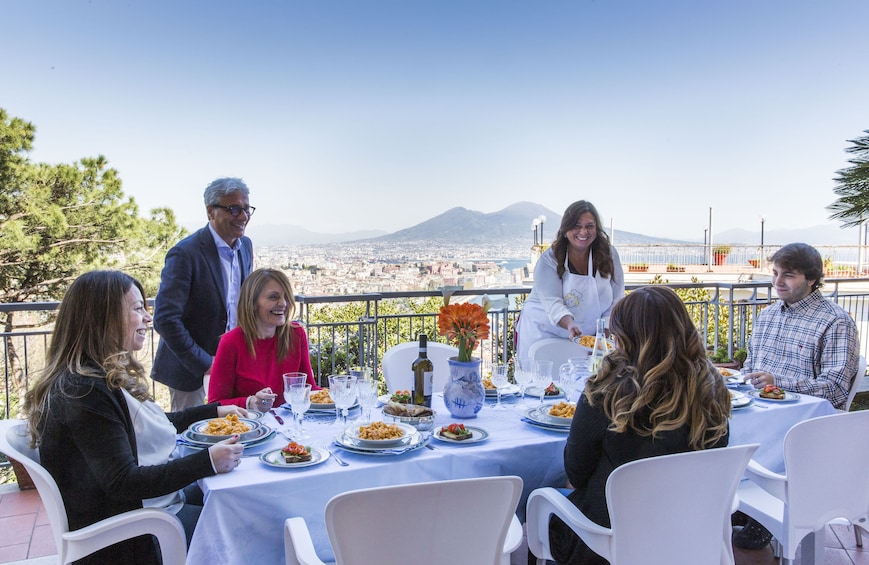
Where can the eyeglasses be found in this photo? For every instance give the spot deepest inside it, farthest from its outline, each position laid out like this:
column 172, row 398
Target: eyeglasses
column 236, row 210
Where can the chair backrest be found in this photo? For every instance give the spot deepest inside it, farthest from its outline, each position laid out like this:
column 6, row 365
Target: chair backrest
column 398, row 359
column 15, row 443
column 557, row 350
column 462, row 521
column 855, row 384
column 826, row 471
column 689, row 495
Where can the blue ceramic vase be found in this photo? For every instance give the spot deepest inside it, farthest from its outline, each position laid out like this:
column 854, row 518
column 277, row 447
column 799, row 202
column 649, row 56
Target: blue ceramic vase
column 464, row 394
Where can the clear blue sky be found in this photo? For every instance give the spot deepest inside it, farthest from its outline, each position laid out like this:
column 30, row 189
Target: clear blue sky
column 359, row 114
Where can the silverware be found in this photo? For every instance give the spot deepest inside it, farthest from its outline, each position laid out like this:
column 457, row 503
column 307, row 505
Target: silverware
column 277, row 418
column 335, row 455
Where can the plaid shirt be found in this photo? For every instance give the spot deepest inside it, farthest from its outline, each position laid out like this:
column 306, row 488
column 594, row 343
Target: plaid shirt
column 809, row 347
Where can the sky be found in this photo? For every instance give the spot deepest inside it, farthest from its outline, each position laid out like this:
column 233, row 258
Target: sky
column 346, row 115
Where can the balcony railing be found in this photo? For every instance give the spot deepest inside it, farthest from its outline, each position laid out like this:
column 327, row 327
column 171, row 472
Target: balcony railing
column 723, row 313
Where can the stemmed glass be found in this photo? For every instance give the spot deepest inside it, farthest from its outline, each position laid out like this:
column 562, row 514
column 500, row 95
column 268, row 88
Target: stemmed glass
column 291, row 379
column 523, row 374
column 499, row 379
column 366, row 390
column 342, row 389
column 300, row 401
column 542, row 376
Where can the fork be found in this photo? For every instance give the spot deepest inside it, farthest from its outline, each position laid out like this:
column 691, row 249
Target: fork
column 338, row 460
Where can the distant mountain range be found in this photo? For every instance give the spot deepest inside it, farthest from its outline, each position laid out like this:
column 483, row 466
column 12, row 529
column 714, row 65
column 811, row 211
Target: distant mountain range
column 513, row 225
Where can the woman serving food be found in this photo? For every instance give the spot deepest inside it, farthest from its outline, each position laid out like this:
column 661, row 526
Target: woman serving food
column 576, row 281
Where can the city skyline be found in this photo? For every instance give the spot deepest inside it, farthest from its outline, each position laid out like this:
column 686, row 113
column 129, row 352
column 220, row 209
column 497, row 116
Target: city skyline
column 379, row 114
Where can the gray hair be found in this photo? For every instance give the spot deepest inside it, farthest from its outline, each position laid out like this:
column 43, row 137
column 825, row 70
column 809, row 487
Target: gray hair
column 221, row 187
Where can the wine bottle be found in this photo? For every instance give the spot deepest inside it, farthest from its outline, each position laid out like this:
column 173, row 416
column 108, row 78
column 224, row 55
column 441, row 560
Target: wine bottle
column 423, row 374
column 600, row 348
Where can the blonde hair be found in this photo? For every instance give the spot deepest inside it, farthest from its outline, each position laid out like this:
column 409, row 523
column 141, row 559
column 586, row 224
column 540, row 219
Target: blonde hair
column 88, row 339
column 658, row 378
column 251, row 289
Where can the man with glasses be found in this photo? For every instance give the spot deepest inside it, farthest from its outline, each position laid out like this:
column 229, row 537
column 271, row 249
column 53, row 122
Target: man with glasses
column 198, row 295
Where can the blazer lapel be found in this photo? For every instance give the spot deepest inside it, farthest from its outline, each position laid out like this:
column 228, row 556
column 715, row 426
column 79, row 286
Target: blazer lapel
column 212, row 259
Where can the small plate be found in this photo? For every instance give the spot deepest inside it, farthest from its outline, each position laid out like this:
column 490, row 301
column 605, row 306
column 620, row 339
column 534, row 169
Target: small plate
column 508, row 390
column 352, row 433
column 789, row 396
column 274, row 458
column 731, row 373
column 534, row 391
column 740, row 402
column 477, row 435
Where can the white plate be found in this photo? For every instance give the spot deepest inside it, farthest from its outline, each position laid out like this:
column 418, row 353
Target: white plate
column 534, row 391
column 409, row 443
column 549, row 427
column 352, row 433
column 735, row 394
column 506, row 391
column 789, row 396
column 254, row 414
column 262, row 434
column 540, row 415
column 731, row 373
column 477, row 434
column 274, row 458
column 559, row 419
column 197, row 433
column 740, row 402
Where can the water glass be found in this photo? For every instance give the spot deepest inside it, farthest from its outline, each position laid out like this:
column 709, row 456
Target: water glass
column 523, row 374
column 499, row 379
column 342, row 389
column 300, row 401
column 366, row 390
column 542, row 376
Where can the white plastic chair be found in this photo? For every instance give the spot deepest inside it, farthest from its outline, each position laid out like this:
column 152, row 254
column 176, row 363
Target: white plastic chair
column 855, row 384
column 398, row 359
column 825, row 478
column 463, row 521
column 663, row 510
column 557, row 350
column 74, row 545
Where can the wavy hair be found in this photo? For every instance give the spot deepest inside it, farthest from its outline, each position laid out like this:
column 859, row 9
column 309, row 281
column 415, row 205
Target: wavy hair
column 658, row 378
column 251, row 289
column 88, row 339
column 602, row 257
column 803, row 258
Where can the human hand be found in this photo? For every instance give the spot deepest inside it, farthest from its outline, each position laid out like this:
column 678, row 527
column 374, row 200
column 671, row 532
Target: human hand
column 573, row 331
column 759, row 379
column 263, row 400
column 223, row 411
column 226, row 455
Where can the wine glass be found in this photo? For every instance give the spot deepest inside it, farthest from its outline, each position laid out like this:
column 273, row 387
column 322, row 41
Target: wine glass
column 524, row 375
column 300, row 401
column 565, row 379
column 366, row 390
column 291, row 379
column 342, row 389
column 499, row 379
column 542, row 376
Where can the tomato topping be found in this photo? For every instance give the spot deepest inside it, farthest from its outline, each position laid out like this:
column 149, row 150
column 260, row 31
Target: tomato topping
column 294, row 448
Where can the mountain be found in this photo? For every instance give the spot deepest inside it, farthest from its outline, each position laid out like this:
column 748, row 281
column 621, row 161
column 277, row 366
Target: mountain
column 277, row 235
column 825, row 234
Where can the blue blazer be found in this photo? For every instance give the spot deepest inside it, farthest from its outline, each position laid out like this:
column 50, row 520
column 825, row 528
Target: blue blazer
column 190, row 309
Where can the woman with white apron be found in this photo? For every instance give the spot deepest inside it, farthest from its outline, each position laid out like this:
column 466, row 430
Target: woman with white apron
column 566, row 302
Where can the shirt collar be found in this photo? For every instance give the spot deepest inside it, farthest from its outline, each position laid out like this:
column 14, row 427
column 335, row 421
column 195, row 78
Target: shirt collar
column 802, row 304
column 220, row 243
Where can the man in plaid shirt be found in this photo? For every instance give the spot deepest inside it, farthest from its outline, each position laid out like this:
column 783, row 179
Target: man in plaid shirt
column 804, row 343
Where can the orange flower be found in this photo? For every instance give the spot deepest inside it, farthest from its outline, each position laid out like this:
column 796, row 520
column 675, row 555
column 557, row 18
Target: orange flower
column 463, row 325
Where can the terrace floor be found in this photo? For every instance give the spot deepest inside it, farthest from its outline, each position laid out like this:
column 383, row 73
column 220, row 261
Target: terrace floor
column 25, row 536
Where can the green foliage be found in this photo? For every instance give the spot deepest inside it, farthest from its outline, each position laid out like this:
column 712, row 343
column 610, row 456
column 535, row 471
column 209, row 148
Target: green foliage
column 852, row 185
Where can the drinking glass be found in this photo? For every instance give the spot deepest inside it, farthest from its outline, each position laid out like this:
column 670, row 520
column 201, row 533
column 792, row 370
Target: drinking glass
column 542, row 376
column 523, row 374
column 291, row 379
column 300, row 401
column 342, row 389
column 366, row 390
column 499, row 379
column 565, row 379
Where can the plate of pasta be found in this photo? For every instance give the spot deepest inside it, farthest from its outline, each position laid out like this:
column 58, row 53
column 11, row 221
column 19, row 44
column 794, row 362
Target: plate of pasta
column 201, row 440
column 562, row 412
column 217, row 429
column 379, row 434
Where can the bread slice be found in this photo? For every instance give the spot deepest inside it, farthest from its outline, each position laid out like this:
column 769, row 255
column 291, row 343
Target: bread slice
column 457, row 437
column 296, row 453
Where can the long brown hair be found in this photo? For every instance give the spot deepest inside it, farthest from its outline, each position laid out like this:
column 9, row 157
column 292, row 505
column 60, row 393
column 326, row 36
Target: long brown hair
column 659, row 372
column 88, row 339
column 602, row 257
column 251, row 288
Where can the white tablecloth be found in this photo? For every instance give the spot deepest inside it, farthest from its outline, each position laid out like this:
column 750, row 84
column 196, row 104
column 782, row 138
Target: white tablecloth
column 242, row 521
column 244, row 513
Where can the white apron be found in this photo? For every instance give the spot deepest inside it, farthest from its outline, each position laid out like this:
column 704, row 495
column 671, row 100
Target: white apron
column 582, row 296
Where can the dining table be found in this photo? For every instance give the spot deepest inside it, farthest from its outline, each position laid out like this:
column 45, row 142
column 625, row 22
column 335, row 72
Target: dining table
column 242, row 520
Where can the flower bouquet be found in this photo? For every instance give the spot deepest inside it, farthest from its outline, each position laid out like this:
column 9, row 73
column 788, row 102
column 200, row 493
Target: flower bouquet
column 464, row 325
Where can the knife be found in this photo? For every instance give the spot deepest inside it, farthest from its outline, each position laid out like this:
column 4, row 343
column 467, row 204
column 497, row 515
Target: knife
column 277, row 418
